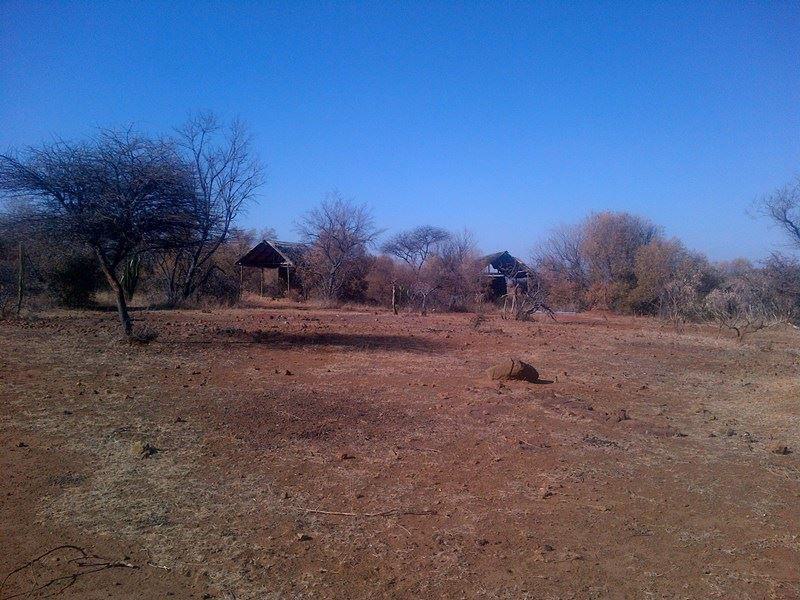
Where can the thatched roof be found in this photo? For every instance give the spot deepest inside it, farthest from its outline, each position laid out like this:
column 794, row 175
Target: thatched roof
column 272, row 254
column 506, row 264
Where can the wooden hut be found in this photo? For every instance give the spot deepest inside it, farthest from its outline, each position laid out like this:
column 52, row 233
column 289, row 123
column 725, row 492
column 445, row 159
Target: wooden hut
column 503, row 268
column 284, row 257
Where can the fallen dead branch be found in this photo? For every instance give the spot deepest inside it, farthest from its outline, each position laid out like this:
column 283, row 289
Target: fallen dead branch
column 84, row 564
column 385, row 513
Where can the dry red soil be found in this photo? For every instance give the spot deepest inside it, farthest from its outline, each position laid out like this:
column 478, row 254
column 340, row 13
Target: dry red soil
column 307, row 453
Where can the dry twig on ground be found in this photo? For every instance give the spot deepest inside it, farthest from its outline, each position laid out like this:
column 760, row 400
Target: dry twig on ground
column 83, row 564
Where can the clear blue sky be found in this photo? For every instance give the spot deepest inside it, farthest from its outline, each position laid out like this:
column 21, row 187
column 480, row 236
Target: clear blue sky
column 506, row 118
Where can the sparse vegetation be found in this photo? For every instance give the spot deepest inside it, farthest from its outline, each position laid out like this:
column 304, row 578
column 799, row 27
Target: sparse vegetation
column 169, row 230
column 291, row 436
column 536, row 348
column 337, row 234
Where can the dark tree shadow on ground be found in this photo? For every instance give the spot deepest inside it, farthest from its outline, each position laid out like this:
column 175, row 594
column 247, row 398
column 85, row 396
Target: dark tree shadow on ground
column 353, row 341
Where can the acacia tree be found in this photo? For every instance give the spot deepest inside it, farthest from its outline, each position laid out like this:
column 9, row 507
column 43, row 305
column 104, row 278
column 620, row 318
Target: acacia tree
column 337, row 235
column 783, row 272
column 226, row 177
column 782, row 276
column 671, row 281
column 609, row 247
column 460, row 270
column 561, row 266
column 783, row 207
column 745, row 300
column 118, row 194
column 416, row 247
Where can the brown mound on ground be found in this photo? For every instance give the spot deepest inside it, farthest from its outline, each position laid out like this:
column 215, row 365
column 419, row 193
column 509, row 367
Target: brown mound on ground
column 512, row 368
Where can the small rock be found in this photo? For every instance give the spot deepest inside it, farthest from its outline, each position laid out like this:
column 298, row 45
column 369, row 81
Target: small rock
column 780, row 449
column 22, row 445
column 346, row 456
column 547, row 548
column 304, row 537
column 512, row 368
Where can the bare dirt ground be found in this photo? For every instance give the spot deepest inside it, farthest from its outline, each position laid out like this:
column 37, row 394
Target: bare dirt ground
column 308, row 453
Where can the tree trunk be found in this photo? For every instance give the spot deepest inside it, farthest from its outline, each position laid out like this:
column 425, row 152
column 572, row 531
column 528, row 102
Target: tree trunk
column 20, row 280
column 394, row 298
column 119, row 294
column 122, row 309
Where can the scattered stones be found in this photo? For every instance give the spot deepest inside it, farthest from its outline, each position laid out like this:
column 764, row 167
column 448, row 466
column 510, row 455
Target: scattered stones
column 513, row 369
column 594, row 440
column 143, row 449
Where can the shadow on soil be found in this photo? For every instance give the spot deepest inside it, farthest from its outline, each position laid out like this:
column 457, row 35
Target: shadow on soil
column 353, row 341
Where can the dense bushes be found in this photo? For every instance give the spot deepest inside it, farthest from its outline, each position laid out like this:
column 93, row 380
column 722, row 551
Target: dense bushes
column 73, row 279
column 621, row 262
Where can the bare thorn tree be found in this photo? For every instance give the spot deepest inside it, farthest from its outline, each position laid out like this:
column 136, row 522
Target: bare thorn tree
column 783, row 207
column 226, row 178
column 118, row 194
column 745, row 304
column 525, row 295
column 337, row 234
column 415, row 247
